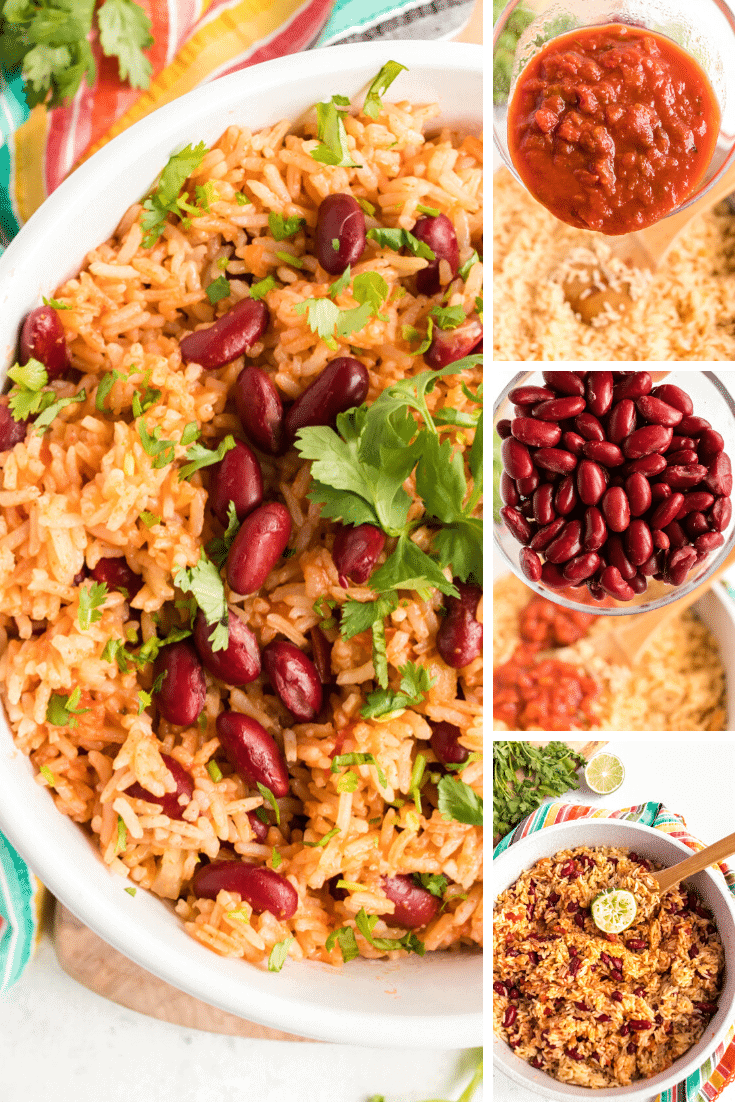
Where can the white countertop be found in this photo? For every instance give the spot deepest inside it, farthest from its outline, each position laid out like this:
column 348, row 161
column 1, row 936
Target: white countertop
column 691, row 775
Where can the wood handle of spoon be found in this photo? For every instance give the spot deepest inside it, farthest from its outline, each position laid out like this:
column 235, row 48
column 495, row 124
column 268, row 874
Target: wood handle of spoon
column 718, row 851
column 657, row 238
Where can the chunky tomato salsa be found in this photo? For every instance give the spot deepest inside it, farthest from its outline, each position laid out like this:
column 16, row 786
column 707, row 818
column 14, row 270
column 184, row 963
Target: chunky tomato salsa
column 612, row 127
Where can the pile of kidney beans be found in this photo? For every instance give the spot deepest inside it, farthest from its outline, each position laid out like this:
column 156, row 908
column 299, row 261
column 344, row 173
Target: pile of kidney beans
column 609, row 481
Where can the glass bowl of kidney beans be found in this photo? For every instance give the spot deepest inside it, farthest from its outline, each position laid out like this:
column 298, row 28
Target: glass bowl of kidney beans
column 614, row 486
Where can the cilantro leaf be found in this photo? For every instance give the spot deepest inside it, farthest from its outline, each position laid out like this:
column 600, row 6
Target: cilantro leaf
column 51, row 412
column 348, row 782
column 370, row 287
column 278, row 954
column 340, row 760
column 276, row 858
column 150, row 519
column 91, row 599
column 358, row 616
column 464, row 271
column 214, row 771
column 290, row 258
column 345, row 938
column 410, row 568
column 440, row 478
column 162, row 452
column 55, row 303
column 353, row 321
column 373, row 104
column 218, row 289
column 380, row 660
column 125, row 31
column 242, row 200
column 415, row 681
column 323, row 841
column 341, row 505
column 271, row 799
column 456, row 417
column 322, row 316
column 61, row 710
column 333, row 148
column 367, row 207
column 365, row 924
column 396, row 239
column 459, row 802
column 165, row 197
column 30, row 376
column 260, row 290
column 434, row 882
column 205, row 583
column 122, row 836
column 475, row 456
column 448, row 317
column 459, row 546
column 219, row 548
column 281, row 227
column 341, row 283
column 199, row 457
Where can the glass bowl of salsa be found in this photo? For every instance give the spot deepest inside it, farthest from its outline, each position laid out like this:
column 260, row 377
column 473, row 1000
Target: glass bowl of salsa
column 516, row 539
column 615, row 113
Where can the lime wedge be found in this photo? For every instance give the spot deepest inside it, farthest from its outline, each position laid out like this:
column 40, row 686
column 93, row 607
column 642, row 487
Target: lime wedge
column 614, row 910
column 604, row 773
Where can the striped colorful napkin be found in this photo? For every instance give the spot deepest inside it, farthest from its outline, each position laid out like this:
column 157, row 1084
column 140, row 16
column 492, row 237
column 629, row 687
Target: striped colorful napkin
column 706, row 1084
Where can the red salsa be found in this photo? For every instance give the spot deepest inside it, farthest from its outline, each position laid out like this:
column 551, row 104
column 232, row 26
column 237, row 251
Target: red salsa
column 612, row 127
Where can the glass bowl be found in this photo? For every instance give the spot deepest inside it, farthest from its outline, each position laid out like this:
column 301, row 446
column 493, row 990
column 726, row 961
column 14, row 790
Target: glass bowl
column 704, row 28
column 713, row 400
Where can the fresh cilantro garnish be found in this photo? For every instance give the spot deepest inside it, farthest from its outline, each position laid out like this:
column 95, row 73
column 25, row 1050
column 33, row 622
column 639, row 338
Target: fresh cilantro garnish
column 415, row 335
column 323, row 841
column 367, row 207
column 352, row 886
column 48, row 776
column 162, row 452
column 281, row 227
column 56, row 304
column 218, row 289
column 144, row 700
column 328, row 321
column 29, row 398
column 370, row 287
column 448, row 317
column 165, row 199
column 289, row 258
column 341, row 283
column 434, row 882
column 271, row 799
column 478, row 306
column 278, row 954
column 396, row 239
column 550, row 770
column 222, row 263
column 131, row 891
column 190, row 433
column 262, row 815
column 341, row 760
column 459, row 802
column 205, row 583
column 149, row 519
column 242, row 200
column 61, row 710
column 373, row 104
column 218, row 548
column 345, row 938
column 143, row 400
column 323, row 606
column 205, row 194
column 122, row 836
column 199, row 457
column 383, row 703
column 359, row 616
column 348, row 782
column 464, row 271
column 116, row 651
column 332, row 148
column 366, row 923
column 417, row 779
column 276, row 859
column 432, row 211
column 125, row 31
column 260, row 289
column 380, row 659
column 91, row 600
column 214, row 771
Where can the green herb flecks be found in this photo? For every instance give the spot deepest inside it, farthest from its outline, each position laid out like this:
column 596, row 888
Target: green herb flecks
column 48, row 776
column 55, row 303
column 433, row 212
column 214, row 771
column 166, row 198
column 218, row 289
column 333, row 148
column 278, row 954
column 384, row 704
column 203, row 581
column 62, row 710
column 433, row 882
column 459, row 802
column 122, row 836
column 464, row 271
column 219, row 547
column 260, row 289
column 341, row 760
column 271, row 799
column 366, row 924
column 373, row 103
column 524, row 776
column 324, row 840
column 345, row 938
column 200, row 457
column 448, row 317
column 395, row 239
column 281, row 228
column 91, row 599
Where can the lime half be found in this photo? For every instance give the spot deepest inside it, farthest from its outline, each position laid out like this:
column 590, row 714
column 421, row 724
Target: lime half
column 604, row 774
column 614, row 910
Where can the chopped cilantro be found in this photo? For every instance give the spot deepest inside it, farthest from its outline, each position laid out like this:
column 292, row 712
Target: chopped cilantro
column 370, row 287
column 260, row 290
column 373, row 104
column 242, row 200
column 380, row 660
column 281, row 227
column 91, row 600
column 417, row 779
column 149, row 519
column 459, row 802
column 162, row 452
column 271, row 799
column 366, row 923
column 144, row 700
column 205, row 583
column 214, row 771
column 199, row 457
column 218, row 289
column 464, row 271
column 345, row 938
column 289, row 258
column 359, row 616
column 278, row 954
column 383, row 703
column 323, row 841
column 131, row 891
column 341, row 283
column 341, row 760
column 48, row 776
column 351, row 886
column 434, row 882
column 448, row 317
column 61, row 710
column 333, row 148
column 323, row 606
column 478, row 306
column 165, row 198
column 348, row 782
column 218, row 548
column 143, row 400
column 397, row 239
column 222, row 263
column 49, row 413
column 431, row 211
column 56, row 304
column 122, row 836
column 368, row 208
column 335, row 244
column 276, row 859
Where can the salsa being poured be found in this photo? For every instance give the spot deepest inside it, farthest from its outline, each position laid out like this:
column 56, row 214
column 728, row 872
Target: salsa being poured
column 612, row 127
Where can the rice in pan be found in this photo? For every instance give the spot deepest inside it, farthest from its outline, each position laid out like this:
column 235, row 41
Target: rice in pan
column 88, row 490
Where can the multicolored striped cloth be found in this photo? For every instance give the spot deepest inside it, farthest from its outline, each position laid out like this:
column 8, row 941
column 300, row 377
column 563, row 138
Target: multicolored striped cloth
column 707, row 1083
column 195, row 41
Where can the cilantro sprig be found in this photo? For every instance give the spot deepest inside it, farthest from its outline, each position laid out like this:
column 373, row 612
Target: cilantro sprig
column 373, row 104
column 545, row 771
column 91, row 599
column 166, row 197
column 116, row 651
column 384, row 703
column 31, row 396
column 333, row 148
column 203, row 581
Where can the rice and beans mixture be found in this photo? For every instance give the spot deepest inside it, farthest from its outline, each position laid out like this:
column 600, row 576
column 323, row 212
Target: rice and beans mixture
column 596, row 1009
column 250, row 790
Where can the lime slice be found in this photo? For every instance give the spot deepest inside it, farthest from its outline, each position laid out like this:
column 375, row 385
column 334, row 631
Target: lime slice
column 604, row 774
column 614, row 910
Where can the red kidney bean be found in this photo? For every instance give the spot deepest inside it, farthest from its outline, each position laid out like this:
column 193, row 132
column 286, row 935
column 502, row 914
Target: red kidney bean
column 721, row 513
column 554, row 459
column 341, row 385
column 449, row 345
column 684, row 478
column 638, row 583
column 709, row 541
column 590, row 428
column 679, row 564
column 565, row 498
column 564, row 382
column 257, row 547
column 459, row 638
column 646, row 441
column 660, row 492
column 508, row 490
column 558, row 409
column 693, row 426
column 260, row 410
column 595, row 530
column 170, row 800
column 237, row 479
column 445, row 743
column 503, row 428
column 229, row 337
column 674, row 396
column 621, row 421
column 696, row 524
column 253, row 752
column 676, row 534
column 544, row 536
column 539, row 434
column 526, row 486
column 710, row 444
column 615, row 509
column 678, row 442
column 682, row 458
column 648, row 465
column 239, row 662
column 638, row 1025
column 666, row 511
column 530, row 564
column 602, row 451
column 658, row 412
column 567, row 544
column 294, row 677
column 599, row 392
column 42, row 337
column 116, row 574
column 638, row 542
column 552, row 576
column 660, row 540
column 509, row 1017
column 261, row 887
column 414, row 905
column 718, row 478
column 573, row 442
column 543, row 504
column 500, row 989
column 591, row 482
column 518, row 525
column 638, row 492
column 617, row 557
column 530, row 395
column 12, row 432
column 181, row 697
column 581, row 566
column 439, row 234
column 634, row 386
column 356, row 551
column 617, row 996
column 612, row 582
column 341, row 219
column 258, row 827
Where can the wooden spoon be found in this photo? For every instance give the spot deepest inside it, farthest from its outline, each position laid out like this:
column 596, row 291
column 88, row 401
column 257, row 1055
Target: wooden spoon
column 644, row 249
column 628, row 636
column 710, row 855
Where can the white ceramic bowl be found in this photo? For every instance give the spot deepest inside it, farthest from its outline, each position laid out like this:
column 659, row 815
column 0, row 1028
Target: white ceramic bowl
column 432, row 1001
column 664, row 850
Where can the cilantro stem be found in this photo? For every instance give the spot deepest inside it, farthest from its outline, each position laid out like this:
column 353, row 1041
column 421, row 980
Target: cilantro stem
column 473, row 499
